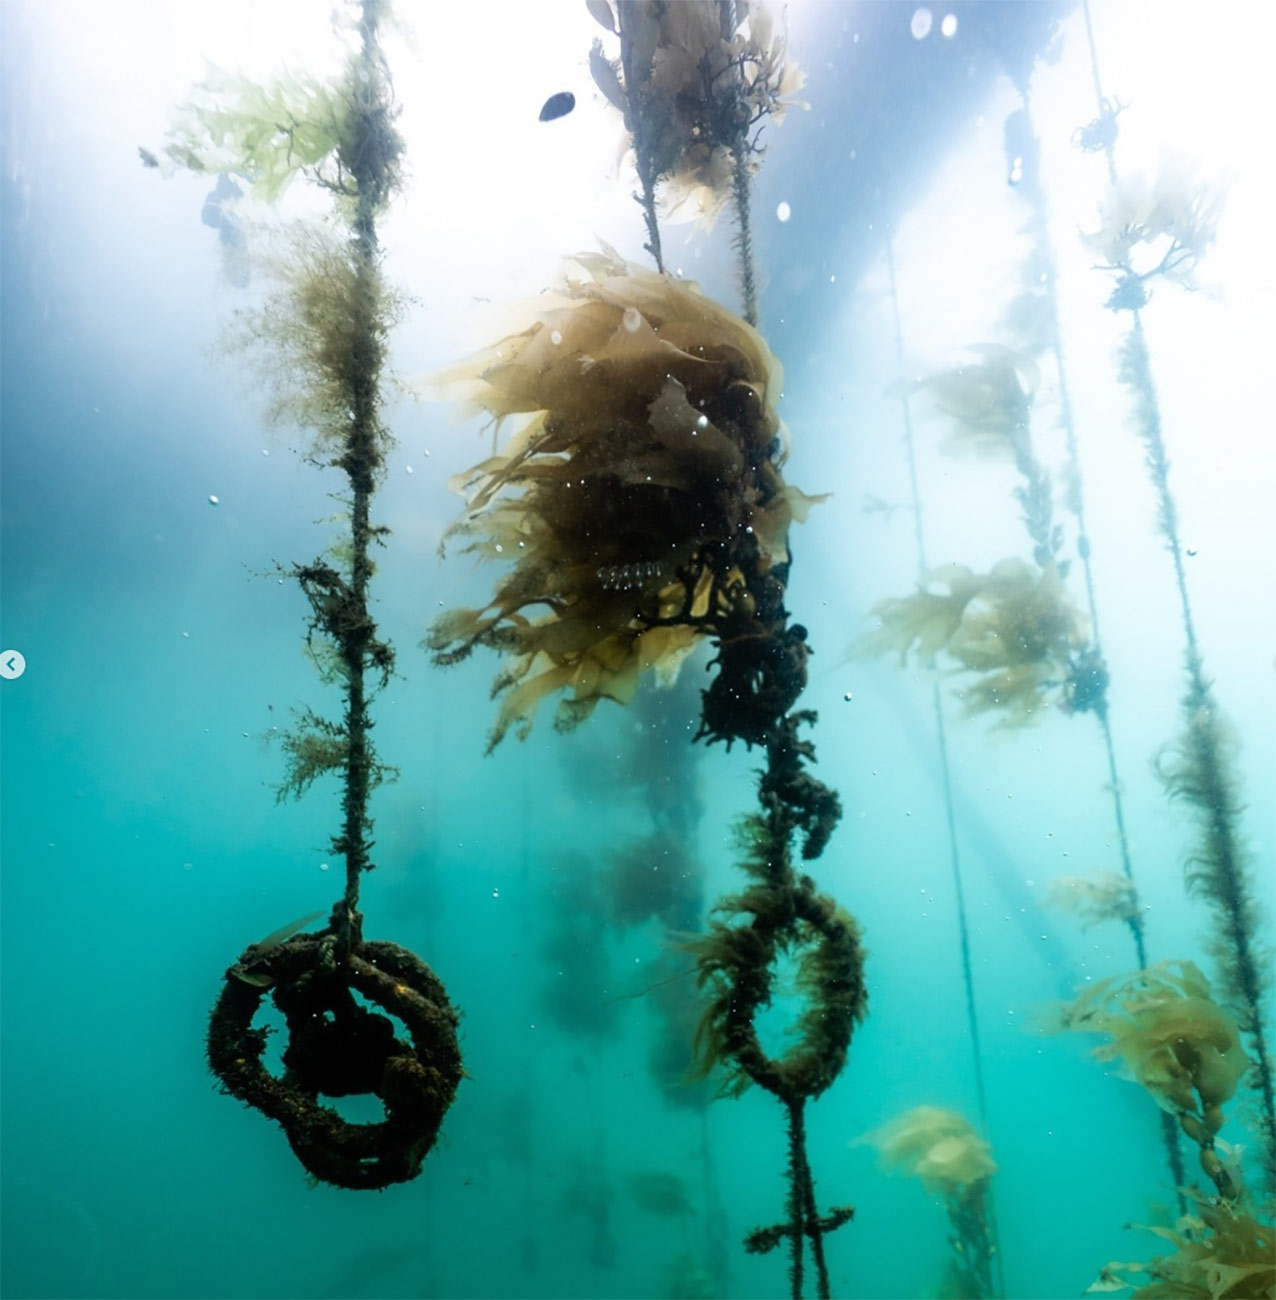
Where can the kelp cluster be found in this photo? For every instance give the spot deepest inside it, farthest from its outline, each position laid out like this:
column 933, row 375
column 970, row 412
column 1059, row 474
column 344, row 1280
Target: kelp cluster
column 1222, row 1251
column 1012, row 635
column 694, row 82
column 941, row 1149
column 1154, row 228
column 1174, row 1040
column 651, row 457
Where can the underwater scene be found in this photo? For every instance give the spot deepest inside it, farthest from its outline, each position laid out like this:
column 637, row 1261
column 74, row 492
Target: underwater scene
column 637, row 650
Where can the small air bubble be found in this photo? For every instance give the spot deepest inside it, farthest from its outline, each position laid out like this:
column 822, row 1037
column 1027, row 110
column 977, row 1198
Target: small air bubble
column 323, row 866
column 921, row 23
column 186, row 636
column 556, row 337
column 409, row 469
column 632, row 319
column 496, row 893
column 213, row 501
column 1192, row 551
column 949, row 26
column 186, row 866
column 848, row 697
column 783, row 212
column 702, row 422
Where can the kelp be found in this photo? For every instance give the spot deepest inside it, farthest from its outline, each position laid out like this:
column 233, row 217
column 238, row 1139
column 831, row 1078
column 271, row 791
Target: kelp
column 988, row 400
column 650, row 447
column 1094, row 898
column 1172, row 1039
column 692, row 88
column 942, row 1149
column 1222, row 1251
column 938, row 1147
column 1155, row 228
column 1013, row 632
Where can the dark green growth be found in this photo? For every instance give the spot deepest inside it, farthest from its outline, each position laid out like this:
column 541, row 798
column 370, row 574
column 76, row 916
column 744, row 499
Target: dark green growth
column 320, row 341
column 1198, row 771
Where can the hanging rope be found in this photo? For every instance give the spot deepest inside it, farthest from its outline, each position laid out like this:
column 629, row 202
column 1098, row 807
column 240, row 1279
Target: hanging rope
column 1197, row 770
column 334, row 316
column 941, row 740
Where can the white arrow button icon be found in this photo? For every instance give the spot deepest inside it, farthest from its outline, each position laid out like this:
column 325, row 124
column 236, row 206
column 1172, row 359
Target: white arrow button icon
column 12, row 664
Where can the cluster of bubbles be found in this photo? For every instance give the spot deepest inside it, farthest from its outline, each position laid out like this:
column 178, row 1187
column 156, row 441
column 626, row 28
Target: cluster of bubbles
column 623, row 577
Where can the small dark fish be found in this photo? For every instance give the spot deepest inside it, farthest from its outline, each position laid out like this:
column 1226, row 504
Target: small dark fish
column 147, row 157
column 558, row 106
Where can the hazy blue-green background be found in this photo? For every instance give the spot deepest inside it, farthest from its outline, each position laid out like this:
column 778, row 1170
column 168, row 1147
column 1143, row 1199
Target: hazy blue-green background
column 142, row 848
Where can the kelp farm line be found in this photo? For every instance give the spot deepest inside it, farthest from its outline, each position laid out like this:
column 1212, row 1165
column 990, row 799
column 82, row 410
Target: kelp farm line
column 1018, row 643
column 319, row 342
column 646, row 507
column 640, row 510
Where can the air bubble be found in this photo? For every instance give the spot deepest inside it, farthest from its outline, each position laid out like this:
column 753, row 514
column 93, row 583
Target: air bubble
column 783, row 212
column 921, row 23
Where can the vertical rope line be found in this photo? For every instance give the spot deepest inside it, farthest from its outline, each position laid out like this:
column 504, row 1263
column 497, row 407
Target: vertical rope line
column 941, row 739
column 1075, row 497
column 1220, row 808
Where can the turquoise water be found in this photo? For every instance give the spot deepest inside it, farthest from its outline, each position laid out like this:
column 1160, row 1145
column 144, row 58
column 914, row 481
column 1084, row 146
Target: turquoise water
column 143, row 848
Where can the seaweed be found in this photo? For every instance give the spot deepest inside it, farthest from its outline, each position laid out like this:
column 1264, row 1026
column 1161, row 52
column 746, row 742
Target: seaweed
column 1222, row 1251
column 1094, row 898
column 1172, row 1039
column 694, row 87
column 651, row 447
column 943, row 1151
column 1013, row 633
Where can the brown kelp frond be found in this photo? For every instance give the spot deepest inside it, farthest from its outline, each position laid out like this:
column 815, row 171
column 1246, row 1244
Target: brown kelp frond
column 1014, row 629
column 1094, row 898
column 924, row 622
column 653, row 878
column 1222, row 1251
column 940, row 1147
column 1155, row 228
column 652, row 447
column 988, row 400
column 318, row 337
column 694, row 91
column 1169, row 1035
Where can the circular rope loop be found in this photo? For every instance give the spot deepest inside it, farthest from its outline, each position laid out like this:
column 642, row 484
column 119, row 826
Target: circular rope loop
column 829, row 975
column 340, row 1046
